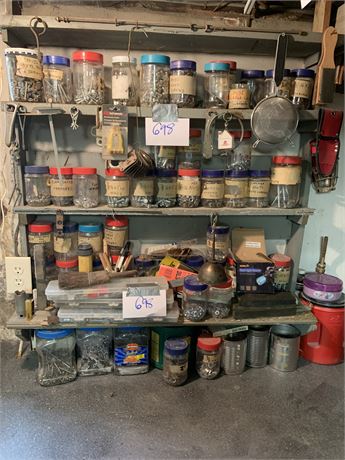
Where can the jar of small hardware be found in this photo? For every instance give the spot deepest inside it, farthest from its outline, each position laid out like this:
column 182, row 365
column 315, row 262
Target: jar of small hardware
column 232, row 70
column 212, row 188
column 88, row 77
column 208, row 355
column 24, row 74
column 195, row 262
column 182, row 88
column 165, row 156
column 125, row 81
column 146, row 266
column 85, row 258
column 221, row 236
column 219, row 300
column 284, row 89
column 37, row 185
column 166, row 188
column 239, row 158
column 217, row 84
column 234, row 353
column 41, row 233
column 255, row 79
column 285, row 181
column 57, row 81
column 94, row 351
column 67, row 266
column 175, row 362
column 282, row 271
column 239, row 96
column 91, row 234
column 302, row 87
column 116, row 188
column 116, row 232
column 61, row 190
column 190, row 157
column 194, row 301
column 131, row 350
column 236, row 189
column 56, row 356
column 66, row 242
column 85, row 187
column 259, row 186
column 188, row 188
column 143, row 191
column 154, row 79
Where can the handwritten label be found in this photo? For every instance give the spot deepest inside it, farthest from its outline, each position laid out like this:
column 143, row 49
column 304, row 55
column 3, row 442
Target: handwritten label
column 167, row 133
column 29, row 67
column 143, row 306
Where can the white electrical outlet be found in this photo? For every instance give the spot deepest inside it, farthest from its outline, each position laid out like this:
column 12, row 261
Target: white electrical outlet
column 18, row 274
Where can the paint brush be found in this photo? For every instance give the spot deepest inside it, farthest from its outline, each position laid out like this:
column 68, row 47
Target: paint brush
column 326, row 74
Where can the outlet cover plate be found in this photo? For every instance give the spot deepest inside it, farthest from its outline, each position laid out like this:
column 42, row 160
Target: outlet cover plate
column 18, row 274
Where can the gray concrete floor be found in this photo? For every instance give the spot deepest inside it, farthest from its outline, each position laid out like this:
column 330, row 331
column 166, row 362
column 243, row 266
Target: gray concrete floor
column 261, row 414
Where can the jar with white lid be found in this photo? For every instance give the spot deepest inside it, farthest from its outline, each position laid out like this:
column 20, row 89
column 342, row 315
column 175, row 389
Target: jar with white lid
column 182, row 88
column 154, row 79
column 302, row 87
column 116, row 232
column 255, row 79
column 284, row 89
column 143, row 191
column 190, row 156
column 259, row 186
column 41, row 233
column 88, row 77
column 164, row 155
column 24, row 74
column 125, row 81
column 66, row 242
column 232, row 70
column 239, row 158
column 85, row 187
column 221, row 236
column 286, row 174
column 208, row 354
column 212, row 188
column 94, row 351
column 57, row 81
column 61, row 191
column 67, row 266
column 188, row 188
column 166, row 188
column 236, row 189
column 217, row 84
column 282, row 271
column 239, row 96
column 116, row 188
column 91, row 234
column 194, row 298
column 37, row 185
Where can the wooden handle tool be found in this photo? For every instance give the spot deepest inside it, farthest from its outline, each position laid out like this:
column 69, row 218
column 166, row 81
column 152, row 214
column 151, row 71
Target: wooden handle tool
column 326, row 71
column 82, row 280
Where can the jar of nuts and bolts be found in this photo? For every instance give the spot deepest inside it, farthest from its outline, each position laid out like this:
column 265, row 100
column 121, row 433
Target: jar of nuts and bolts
column 194, row 302
column 154, row 79
column 183, row 83
column 212, row 188
column 175, row 361
column 208, row 354
column 188, row 188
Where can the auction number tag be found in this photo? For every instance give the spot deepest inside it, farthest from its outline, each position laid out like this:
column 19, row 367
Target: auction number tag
column 143, row 305
column 174, row 133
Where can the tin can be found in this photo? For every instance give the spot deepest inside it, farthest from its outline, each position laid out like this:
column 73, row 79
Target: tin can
column 234, row 353
column 257, row 346
column 284, row 349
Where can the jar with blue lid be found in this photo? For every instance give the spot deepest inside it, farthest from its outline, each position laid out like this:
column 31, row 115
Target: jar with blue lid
column 236, row 188
column 154, row 79
column 195, row 262
column 145, row 266
column 284, row 89
column 194, row 298
column 57, row 79
column 221, row 237
column 56, row 356
column 37, row 185
column 212, row 188
column 131, row 350
column 91, row 234
column 175, row 361
column 166, row 186
column 302, row 87
column 66, row 242
column 94, row 351
column 182, row 88
column 255, row 80
column 217, row 84
column 259, row 187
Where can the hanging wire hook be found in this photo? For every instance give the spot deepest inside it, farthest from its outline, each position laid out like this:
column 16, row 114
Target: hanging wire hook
column 38, row 31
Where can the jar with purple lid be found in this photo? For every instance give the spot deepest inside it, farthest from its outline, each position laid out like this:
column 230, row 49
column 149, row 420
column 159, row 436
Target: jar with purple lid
column 255, row 80
column 236, row 189
column 284, row 89
column 323, row 287
column 212, row 188
column 166, row 188
column 37, row 185
column 259, row 187
column 145, row 266
column 194, row 298
column 182, row 88
column 302, row 87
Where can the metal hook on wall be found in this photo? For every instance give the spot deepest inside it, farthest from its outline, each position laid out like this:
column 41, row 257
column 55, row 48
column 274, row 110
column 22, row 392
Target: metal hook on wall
column 38, row 31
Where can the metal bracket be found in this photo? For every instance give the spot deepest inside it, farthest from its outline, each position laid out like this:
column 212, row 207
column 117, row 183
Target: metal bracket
column 299, row 220
column 59, row 220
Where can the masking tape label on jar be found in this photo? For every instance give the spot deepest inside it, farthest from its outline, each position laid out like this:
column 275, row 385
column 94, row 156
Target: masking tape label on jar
column 220, row 82
column 188, row 187
column 282, row 276
column 62, row 244
column 53, row 74
column 29, row 67
column 96, row 242
column 115, row 237
column 143, row 188
column 63, row 189
column 192, row 149
column 167, row 152
column 120, row 86
column 35, row 238
column 117, row 188
column 239, row 98
column 212, row 191
column 259, row 188
column 302, row 89
column 286, row 175
column 235, row 188
column 285, row 86
column 220, row 245
column 182, row 84
column 166, row 189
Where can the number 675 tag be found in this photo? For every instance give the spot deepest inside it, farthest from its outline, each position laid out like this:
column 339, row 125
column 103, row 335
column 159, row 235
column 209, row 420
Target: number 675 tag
column 143, row 306
column 174, row 133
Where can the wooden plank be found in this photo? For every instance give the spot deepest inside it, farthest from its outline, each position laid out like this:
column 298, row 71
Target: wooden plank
column 322, row 15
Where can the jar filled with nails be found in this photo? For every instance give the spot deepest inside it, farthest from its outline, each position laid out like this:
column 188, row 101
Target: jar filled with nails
column 94, row 351
column 208, row 356
column 212, row 188
column 116, row 188
column 88, row 77
column 154, row 79
column 37, row 185
column 143, row 191
column 166, row 188
column 188, row 188
column 183, row 83
column 57, row 81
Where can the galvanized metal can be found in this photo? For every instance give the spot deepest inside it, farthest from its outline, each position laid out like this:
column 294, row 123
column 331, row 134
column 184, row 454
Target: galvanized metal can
column 284, row 349
column 257, row 346
column 234, row 353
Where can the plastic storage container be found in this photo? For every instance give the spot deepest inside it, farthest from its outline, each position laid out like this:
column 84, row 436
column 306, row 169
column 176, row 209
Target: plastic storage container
column 188, row 188
column 221, row 235
column 56, row 356
column 239, row 96
column 41, row 233
column 154, row 79
column 232, row 70
column 212, row 188
column 145, row 266
column 190, row 157
column 131, row 350
column 57, row 81
column 66, row 242
column 116, row 188
column 284, row 89
column 195, row 298
column 302, row 87
column 116, row 232
column 239, row 158
column 175, row 362
column 219, row 300
column 85, row 187
column 91, row 234
column 166, row 188
column 255, row 80
column 259, row 187
column 282, row 271
column 143, row 191
column 61, row 192
column 217, row 84
column 88, row 77
column 208, row 355
column 159, row 335
column 66, row 266
column 322, row 287
column 182, row 87
column 284, row 347
column 94, row 351
column 236, row 189
column 285, row 181
column 257, row 346
column 37, row 185
column 125, row 81
column 234, row 353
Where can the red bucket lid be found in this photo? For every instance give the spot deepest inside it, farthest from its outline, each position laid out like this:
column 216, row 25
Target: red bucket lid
column 281, row 260
column 40, row 227
column 87, row 56
column 209, row 343
column 84, row 171
column 115, row 172
column 64, row 171
column 195, row 133
column 189, row 172
column 66, row 263
column 287, row 160
column 116, row 221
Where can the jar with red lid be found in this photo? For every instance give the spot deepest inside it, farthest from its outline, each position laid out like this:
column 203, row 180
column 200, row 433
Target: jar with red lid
column 282, row 271
column 188, row 188
column 85, row 187
column 66, row 266
column 61, row 190
column 286, row 175
column 239, row 158
column 116, row 232
column 190, row 156
column 88, row 77
column 41, row 233
column 116, row 188
column 208, row 356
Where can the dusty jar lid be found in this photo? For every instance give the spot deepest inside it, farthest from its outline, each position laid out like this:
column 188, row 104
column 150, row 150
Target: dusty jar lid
column 90, row 228
column 84, row 171
column 192, row 283
column 189, row 172
column 123, row 60
column 308, row 73
column 115, row 172
column 219, row 229
column 64, row 171
column 66, row 263
column 52, row 334
column 28, row 52
column 323, row 282
column 166, row 173
column 195, row 261
column 259, row 173
column 40, row 227
column 90, row 56
column 286, row 160
column 209, row 343
column 32, row 169
column 281, row 260
column 213, row 173
column 231, row 64
column 56, row 60
column 116, row 221
column 216, row 67
column 253, row 74
column 69, row 227
column 176, row 347
column 183, row 64
column 155, row 59
column 85, row 249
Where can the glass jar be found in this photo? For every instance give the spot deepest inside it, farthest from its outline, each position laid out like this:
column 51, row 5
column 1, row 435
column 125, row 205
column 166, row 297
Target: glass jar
column 232, row 70
column 67, row 266
column 208, row 354
column 116, row 188
column 145, row 266
column 131, row 350
column 282, row 271
column 219, row 300
column 175, row 362
column 221, row 235
column 165, row 156
column 302, row 87
column 190, row 156
column 116, row 232
column 212, row 188
column 66, row 242
column 24, row 74
column 195, row 262
column 88, row 77
column 91, row 234
column 188, row 188
column 255, row 79
column 182, row 88
column 57, row 81
column 85, row 187
column 143, row 191
column 234, row 353
column 125, row 81
column 239, row 158
column 217, row 84
column 284, row 89
column 239, row 96
column 166, row 188
column 236, row 189
column 154, row 79
column 194, row 298
column 259, row 186
column 41, row 233
column 56, row 356
column 61, row 192
column 94, row 351
column 37, row 185
column 285, row 181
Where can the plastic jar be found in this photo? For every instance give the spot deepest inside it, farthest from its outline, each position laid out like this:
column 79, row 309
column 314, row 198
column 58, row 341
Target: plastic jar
column 61, row 192
column 217, row 84
column 125, row 81
column 208, row 354
column 234, row 353
column 240, row 157
column 85, row 258
column 282, row 271
column 219, row 300
column 37, row 185
column 182, row 88
column 195, row 262
column 221, row 234
column 56, row 356
column 232, row 70
column 259, row 186
column 166, row 188
column 143, row 191
column 94, row 351
column 154, row 79
column 85, row 187
column 188, row 188
column 91, row 234
column 41, row 233
column 88, row 77
column 212, row 188
column 57, row 81
column 236, row 189
column 66, row 242
column 285, row 181
column 257, row 346
column 66, row 266
column 116, row 232
column 131, row 350
column 145, row 266
column 165, row 156
column 194, row 299
column 239, row 96
column 175, row 362
column 302, row 87
column 190, row 157
column 284, row 89
column 255, row 80
column 116, row 188
column 24, row 74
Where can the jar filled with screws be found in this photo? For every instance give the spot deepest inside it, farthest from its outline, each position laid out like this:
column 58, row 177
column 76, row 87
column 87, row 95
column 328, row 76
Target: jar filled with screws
column 175, row 362
column 236, row 189
column 217, row 84
column 116, row 232
column 212, row 188
column 194, row 300
column 66, row 242
column 146, row 266
column 188, row 188
column 165, row 156
column 154, row 79
column 239, row 158
column 37, row 185
column 61, row 190
column 208, row 354
column 259, row 186
column 282, row 271
column 302, row 87
column 285, row 181
column 57, row 81
column 221, row 235
column 85, row 187
column 131, row 350
column 166, row 188
column 41, row 233
column 56, row 356
column 94, row 351
column 182, row 88
column 190, row 156
column 284, row 89
column 88, row 77
column 91, row 234
column 143, row 191
column 116, row 188
column 219, row 300
column 67, row 266
column 255, row 80
column 24, row 74
column 239, row 96
column 125, row 81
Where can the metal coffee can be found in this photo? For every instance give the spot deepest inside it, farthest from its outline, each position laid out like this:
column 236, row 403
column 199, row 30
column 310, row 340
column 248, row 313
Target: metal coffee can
column 284, row 348
column 257, row 346
column 234, row 353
